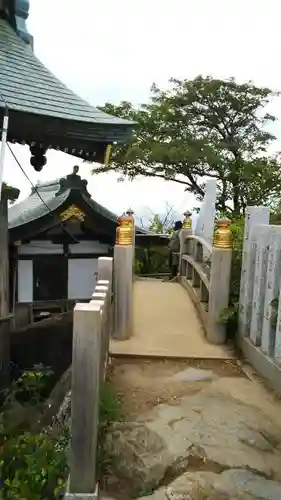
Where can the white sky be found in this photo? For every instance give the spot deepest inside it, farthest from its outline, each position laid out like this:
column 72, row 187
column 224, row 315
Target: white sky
column 113, row 50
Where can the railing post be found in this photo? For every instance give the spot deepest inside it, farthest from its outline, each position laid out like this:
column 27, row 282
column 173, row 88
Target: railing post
column 186, row 231
column 123, row 280
column 85, row 401
column 253, row 216
column 219, row 282
column 105, row 268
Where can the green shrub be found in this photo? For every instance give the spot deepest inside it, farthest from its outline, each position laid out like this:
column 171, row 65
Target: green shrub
column 110, row 411
column 33, row 467
column 151, row 261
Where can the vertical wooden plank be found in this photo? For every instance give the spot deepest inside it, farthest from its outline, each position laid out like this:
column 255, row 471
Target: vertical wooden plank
column 271, row 289
column 262, row 247
column 253, row 216
column 4, row 294
column 4, row 258
column 85, row 397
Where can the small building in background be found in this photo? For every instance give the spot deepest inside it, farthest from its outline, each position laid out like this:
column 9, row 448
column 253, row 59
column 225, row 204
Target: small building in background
column 56, row 236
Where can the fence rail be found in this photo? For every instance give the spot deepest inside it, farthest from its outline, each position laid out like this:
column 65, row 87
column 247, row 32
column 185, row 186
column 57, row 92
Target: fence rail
column 92, row 325
column 205, row 274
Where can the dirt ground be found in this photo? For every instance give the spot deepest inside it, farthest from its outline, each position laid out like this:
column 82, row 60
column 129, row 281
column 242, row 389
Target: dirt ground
column 142, row 384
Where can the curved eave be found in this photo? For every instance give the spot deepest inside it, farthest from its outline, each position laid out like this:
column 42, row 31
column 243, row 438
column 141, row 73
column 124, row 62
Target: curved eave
column 43, row 110
column 31, row 216
column 28, row 211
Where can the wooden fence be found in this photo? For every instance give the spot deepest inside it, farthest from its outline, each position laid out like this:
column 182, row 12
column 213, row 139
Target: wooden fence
column 92, row 325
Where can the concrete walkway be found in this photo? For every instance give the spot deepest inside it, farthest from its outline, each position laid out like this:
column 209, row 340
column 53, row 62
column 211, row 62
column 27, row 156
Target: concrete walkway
column 166, row 324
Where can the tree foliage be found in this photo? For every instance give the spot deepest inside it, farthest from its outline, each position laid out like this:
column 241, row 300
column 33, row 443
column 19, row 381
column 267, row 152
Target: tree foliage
column 161, row 223
column 203, row 128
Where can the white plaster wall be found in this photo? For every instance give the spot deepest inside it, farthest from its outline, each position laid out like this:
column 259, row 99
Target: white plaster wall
column 25, row 281
column 94, row 247
column 81, row 278
column 40, row 247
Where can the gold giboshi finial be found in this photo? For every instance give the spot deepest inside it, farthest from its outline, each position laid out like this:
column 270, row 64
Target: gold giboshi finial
column 130, row 213
column 223, row 235
column 124, row 231
column 187, row 223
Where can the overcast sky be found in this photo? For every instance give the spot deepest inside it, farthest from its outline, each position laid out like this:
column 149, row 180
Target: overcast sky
column 113, row 50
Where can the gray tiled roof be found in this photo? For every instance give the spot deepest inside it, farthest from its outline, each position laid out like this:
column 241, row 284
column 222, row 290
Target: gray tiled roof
column 28, row 86
column 44, row 199
column 34, row 207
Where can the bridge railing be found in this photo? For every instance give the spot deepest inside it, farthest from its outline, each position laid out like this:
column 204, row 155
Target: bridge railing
column 205, row 271
column 92, row 327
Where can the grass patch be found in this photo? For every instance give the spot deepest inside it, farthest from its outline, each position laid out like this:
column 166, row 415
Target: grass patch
column 110, row 411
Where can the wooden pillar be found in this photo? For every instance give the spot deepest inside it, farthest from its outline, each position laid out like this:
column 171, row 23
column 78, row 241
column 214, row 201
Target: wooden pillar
column 4, row 295
column 4, row 258
column 123, row 280
column 219, row 282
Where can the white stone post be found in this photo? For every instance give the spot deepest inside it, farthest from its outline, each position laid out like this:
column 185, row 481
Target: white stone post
column 219, row 282
column 253, row 217
column 185, row 245
column 105, row 268
column 87, row 323
column 272, row 286
column 206, row 219
column 123, row 280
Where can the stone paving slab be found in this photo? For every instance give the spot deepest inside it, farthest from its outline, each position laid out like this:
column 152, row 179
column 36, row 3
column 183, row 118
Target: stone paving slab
column 166, row 324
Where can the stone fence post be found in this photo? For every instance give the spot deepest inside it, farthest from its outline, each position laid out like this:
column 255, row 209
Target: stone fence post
column 253, row 216
column 87, row 341
column 186, row 231
column 123, row 279
column 105, row 269
column 219, row 282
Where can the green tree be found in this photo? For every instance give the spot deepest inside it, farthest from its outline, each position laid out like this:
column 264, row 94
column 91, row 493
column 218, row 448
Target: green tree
column 161, row 224
column 203, row 128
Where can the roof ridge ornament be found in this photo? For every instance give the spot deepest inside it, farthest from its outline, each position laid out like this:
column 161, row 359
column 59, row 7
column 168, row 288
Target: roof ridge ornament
column 19, row 11
column 73, row 182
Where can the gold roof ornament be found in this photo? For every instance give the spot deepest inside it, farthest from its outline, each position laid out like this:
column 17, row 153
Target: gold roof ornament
column 187, row 223
column 72, row 212
column 223, row 235
column 124, row 232
column 130, row 213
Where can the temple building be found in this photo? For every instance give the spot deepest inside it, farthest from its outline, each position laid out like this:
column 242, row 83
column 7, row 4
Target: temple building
column 37, row 110
column 56, row 236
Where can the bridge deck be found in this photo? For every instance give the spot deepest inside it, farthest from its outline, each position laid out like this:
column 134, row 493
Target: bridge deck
column 166, row 324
